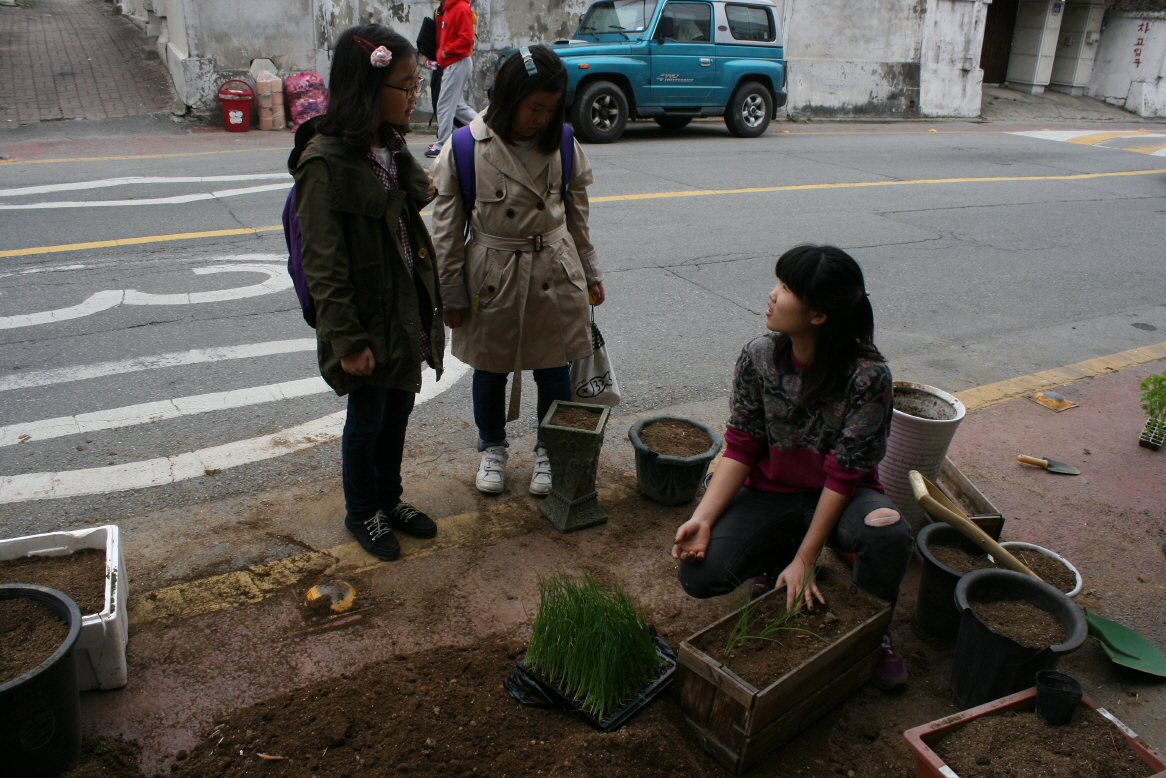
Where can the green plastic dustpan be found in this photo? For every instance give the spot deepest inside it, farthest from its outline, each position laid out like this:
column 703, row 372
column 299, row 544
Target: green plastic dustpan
column 1126, row 647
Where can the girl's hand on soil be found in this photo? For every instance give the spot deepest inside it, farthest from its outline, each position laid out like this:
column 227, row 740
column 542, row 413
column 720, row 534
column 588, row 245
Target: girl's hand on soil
column 454, row 319
column 800, row 585
column 360, row 363
column 692, row 540
column 598, row 295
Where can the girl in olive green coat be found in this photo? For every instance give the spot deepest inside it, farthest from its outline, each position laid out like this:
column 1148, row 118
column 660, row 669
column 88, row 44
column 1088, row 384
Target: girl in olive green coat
column 369, row 265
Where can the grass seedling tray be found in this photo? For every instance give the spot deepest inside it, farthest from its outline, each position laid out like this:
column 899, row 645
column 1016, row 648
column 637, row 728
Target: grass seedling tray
column 524, row 684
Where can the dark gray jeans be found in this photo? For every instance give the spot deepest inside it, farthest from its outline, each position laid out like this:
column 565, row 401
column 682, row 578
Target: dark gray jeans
column 759, row 532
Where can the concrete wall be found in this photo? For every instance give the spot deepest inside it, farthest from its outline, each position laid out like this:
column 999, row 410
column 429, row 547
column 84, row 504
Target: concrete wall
column 951, row 79
column 1130, row 68
column 1077, row 49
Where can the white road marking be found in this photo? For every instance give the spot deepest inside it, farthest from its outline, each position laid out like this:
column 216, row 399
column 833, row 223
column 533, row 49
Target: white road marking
column 1060, row 135
column 195, row 464
column 277, row 281
column 175, row 200
column 108, row 182
column 63, row 375
column 148, row 413
column 107, row 262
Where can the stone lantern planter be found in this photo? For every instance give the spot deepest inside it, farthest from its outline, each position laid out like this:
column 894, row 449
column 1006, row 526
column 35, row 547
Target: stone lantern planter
column 574, row 453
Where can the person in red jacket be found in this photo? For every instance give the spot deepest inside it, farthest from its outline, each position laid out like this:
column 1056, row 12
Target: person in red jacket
column 455, row 43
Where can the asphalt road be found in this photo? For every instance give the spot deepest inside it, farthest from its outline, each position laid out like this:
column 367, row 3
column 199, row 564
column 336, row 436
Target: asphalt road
column 987, row 255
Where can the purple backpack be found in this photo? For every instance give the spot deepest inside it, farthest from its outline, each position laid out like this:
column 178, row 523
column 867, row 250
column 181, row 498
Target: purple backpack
column 463, row 159
column 295, row 258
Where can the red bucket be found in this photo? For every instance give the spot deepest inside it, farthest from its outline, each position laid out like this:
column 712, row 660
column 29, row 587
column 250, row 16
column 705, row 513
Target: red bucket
column 236, row 102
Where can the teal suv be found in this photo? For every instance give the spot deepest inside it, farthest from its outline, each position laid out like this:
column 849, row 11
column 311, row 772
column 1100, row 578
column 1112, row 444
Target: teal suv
column 672, row 61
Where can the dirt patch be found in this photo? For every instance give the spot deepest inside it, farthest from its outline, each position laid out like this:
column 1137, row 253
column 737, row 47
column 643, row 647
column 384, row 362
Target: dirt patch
column 29, row 634
column 1018, row 743
column 106, row 758
column 80, row 575
column 675, row 438
column 1047, row 569
column 958, row 559
column 1023, row 622
column 762, row 660
column 576, row 418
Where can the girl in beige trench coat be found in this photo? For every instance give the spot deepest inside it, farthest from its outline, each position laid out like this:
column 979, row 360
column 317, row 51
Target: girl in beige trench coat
column 515, row 289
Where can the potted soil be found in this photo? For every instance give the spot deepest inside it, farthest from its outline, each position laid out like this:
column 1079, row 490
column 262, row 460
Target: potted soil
column 672, row 456
column 1004, row 737
column 1051, row 567
column 573, row 433
column 592, row 653
column 1011, row 626
column 947, row 555
column 758, row 677
column 88, row 566
column 1154, row 404
column 40, row 707
column 923, row 423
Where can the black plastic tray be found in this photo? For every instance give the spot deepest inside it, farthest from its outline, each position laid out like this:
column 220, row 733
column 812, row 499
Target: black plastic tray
column 530, row 689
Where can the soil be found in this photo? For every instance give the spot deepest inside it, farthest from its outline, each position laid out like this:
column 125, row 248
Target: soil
column 761, row 662
column 105, row 758
column 1025, row 623
column 80, row 575
column 1048, row 569
column 1016, row 743
column 29, row 634
column 958, row 559
column 576, row 418
column 675, row 438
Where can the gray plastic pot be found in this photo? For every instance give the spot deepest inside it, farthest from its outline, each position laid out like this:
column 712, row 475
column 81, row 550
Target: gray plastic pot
column 40, row 711
column 988, row 666
column 671, row 480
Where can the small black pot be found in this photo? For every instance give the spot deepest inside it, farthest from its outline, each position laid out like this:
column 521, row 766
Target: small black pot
column 1057, row 696
column 40, row 711
column 935, row 610
column 988, row 666
column 671, row 480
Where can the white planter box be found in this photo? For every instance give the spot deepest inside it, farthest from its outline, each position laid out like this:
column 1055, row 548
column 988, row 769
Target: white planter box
column 101, row 648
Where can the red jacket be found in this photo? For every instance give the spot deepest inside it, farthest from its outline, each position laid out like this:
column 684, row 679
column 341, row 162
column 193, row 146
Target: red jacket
column 455, row 38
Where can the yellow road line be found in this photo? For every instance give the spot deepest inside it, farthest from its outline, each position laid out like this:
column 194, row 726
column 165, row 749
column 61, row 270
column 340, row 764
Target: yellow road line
column 19, row 161
column 101, row 244
column 1146, row 149
column 1098, row 137
column 608, row 199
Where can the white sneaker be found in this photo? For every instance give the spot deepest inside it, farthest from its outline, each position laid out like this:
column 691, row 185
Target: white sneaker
column 540, row 480
column 492, row 471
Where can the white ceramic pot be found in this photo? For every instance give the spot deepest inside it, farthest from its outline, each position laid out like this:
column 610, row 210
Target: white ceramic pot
column 1011, row 544
column 924, row 422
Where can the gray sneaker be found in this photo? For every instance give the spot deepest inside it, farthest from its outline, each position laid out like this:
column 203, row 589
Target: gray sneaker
column 540, row 480
column 492, row 470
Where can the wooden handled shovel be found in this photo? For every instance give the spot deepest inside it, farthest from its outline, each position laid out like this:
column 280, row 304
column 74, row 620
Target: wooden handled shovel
column 945, row 509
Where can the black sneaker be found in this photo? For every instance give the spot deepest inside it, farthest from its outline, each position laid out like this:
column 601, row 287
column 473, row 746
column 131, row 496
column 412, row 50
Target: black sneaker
column 405, row 518
column 375, row 536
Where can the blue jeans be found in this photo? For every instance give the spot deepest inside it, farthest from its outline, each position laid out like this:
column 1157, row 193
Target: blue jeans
column 489, row 392
column 760, row 532
column 372, row 447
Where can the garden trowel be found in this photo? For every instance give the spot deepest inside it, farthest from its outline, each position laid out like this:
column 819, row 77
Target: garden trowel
column 1052, row 465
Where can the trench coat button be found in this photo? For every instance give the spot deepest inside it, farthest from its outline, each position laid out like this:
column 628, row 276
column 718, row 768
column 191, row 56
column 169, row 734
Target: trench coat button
column 498, row 193
column 546, row 287
column 423, row 253
column 490, row 289
column 510, row 213
column 541, row 206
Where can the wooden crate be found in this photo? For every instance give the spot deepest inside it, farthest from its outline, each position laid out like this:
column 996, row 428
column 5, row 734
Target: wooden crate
column 738, row 724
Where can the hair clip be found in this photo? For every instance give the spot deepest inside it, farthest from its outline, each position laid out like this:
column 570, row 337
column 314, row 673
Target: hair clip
column 378, row 56
column 528, row 60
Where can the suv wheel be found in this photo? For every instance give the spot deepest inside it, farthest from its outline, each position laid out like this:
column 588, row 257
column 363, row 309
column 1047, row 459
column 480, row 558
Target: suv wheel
column 600, row 112
column 673, row 122
column 749, row 110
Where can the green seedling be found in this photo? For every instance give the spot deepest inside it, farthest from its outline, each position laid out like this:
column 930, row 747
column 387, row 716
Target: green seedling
column 1154, row 397
column 747, row 621
column 593, row 644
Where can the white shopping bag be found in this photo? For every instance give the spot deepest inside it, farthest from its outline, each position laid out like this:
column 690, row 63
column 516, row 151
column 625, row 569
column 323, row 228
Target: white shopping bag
column 593, row 377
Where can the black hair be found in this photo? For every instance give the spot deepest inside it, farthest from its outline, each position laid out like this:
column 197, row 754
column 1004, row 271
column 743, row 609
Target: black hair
column 828, row 280
column 354, row 86
column 513, row 84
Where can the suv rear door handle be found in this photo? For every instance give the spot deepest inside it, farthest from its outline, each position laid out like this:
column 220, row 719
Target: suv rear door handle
column 705, row 62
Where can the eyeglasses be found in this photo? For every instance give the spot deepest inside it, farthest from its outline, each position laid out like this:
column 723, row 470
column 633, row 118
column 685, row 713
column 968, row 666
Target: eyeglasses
column 412, row 91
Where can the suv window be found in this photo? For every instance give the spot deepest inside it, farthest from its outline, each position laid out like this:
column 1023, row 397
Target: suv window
column 750, row 22
column 686, row 22
column 616, row 16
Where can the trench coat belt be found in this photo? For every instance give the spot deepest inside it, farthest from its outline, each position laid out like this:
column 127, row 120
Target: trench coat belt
column 533, row 243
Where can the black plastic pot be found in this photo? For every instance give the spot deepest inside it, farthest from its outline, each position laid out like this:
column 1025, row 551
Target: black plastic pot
column 1057, row 696
column 988, row 666
column 671, row 480
column 935, row 610
column 40, row 711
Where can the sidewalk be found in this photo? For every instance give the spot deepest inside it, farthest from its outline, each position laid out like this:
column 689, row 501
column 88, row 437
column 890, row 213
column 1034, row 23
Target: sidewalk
column 75, row 59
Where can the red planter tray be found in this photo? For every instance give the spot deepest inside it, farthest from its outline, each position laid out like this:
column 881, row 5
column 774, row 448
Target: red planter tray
column 929, row 765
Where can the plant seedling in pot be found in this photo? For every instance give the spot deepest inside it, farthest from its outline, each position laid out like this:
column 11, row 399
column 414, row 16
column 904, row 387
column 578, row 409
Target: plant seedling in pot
column 1154, row 404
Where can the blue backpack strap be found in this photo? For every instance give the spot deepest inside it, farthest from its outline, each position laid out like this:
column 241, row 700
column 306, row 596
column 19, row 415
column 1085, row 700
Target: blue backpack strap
column 295, row 257
column 463, row 160
column 567, row 153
